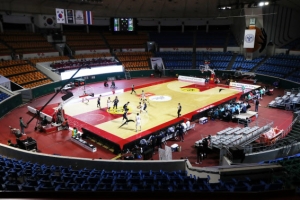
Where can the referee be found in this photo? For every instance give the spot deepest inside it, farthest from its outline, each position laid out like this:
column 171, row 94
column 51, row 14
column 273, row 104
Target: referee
column 132, row 89
column 179, row 110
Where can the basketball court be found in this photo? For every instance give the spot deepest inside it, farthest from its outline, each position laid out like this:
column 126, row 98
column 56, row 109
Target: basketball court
column 163, row 98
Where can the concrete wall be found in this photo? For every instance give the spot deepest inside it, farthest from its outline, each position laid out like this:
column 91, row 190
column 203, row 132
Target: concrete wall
column 46, row 70
column 40, row 55
column 79, row 163
column 272, row 154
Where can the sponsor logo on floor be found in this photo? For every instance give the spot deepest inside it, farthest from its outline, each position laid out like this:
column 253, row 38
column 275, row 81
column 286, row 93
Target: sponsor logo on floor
column 160, row 98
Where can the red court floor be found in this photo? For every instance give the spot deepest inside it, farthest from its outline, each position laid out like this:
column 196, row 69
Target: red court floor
column 59, row 143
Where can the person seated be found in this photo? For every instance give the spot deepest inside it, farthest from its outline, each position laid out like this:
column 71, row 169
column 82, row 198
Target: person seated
column 227, row 82
column 74, row 132
column 171, row 130
column 188, row 124
column 39, row 127
column 206, row 79
column 217, row 80
column 143, row 142
column 244, row 109
column 113, row 85
column 105, row 84
column 44, row 122
column 184, row 126
column 65, row 125
column 227, row 116
column 215, row 114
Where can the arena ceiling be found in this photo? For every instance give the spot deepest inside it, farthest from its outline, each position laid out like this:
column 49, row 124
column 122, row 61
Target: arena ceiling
column 141, row 8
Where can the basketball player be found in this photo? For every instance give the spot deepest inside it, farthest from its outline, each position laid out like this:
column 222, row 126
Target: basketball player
column 125, row 107
column 99, row 101
column 108, row 103
column 145, row 106
column 140, row 106
column 84, row 97
column 138, row 122
column 132, row 89
column 179, row 110
column 116, row 101
column 125, row 116
column 143, row 96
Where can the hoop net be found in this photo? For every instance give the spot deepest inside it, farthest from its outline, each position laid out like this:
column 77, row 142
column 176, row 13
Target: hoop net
column 84, row 90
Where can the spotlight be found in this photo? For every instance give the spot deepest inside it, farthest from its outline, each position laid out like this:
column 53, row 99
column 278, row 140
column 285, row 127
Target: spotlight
column 266, row 3
column 261, row 4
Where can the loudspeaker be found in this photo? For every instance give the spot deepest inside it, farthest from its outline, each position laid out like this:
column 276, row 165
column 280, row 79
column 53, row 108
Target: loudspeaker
column 67, row 96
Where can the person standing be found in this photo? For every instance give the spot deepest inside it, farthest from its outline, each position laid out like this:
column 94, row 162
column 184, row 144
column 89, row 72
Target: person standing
column 22, row 125
column 116, row 101
column 132, row 89
column 108, row 103
column 153, row 143
column 84, row 97
column 200, row 152
column 179, row 110
column 99, row 101
column 138, row 122
column 256, row 105
column 180, row 132
column 143, row 95
column 140, row 107
column 145, row 106
column 243, row 89
column 205, row 147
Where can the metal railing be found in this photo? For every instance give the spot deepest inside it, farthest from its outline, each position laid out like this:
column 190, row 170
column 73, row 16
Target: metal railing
column 289, row 128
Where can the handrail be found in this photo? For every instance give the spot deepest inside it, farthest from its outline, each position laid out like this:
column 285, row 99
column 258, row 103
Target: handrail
column 289, row 128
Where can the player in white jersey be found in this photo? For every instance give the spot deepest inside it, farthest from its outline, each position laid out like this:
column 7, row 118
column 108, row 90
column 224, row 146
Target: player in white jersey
column 138, row 122
column 144, row 98
column 140, row 107
column 143, row 95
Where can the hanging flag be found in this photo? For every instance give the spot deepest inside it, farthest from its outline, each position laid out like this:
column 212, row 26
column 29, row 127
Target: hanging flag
column 249, row 38
column 70, row 16
column 47, row 21
column 79, row 19
column 88, row 17
column 60, row 16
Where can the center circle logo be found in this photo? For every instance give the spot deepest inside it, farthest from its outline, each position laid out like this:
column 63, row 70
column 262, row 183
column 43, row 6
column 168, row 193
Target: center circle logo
column 249, row 38
column 160, row 98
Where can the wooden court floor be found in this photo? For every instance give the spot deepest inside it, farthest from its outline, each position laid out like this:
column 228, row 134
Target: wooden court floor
column 162, row 108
